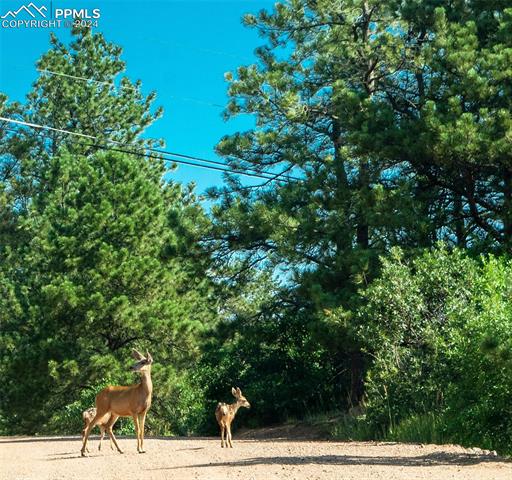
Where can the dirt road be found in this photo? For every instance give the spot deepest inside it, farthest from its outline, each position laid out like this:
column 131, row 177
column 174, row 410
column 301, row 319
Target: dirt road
column 54, row 458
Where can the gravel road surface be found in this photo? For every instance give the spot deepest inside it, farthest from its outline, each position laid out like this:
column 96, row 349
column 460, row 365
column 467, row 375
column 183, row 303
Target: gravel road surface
column 58, row 458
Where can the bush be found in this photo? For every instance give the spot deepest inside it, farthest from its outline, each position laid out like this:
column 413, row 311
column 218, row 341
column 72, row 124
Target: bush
column 349, row 428
column 438, row 331
column 178, row 404
column 68, row 419
column 426, row 428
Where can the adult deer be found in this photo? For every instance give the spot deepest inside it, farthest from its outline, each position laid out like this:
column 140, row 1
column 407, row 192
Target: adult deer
column 88, row 416
column 132, row 401
column 225, row 414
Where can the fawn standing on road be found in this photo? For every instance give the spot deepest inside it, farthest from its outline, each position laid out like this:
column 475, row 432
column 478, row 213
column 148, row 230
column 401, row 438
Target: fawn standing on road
column 87, row 416
column 132, row 401
column 225, row 414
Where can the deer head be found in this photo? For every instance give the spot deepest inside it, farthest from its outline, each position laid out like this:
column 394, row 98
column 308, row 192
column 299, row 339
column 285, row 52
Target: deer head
column 240, row 399
column 143, row 362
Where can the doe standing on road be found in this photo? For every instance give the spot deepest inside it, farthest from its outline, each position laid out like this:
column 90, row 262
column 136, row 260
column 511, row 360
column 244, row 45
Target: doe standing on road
column 131, row 401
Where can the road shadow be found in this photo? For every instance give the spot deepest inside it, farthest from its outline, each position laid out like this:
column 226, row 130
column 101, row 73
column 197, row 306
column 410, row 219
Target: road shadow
column 60, row 454
column 37, row 439
column 68, row 457
column 189, row 449
column 7, row 440
column 429, row 460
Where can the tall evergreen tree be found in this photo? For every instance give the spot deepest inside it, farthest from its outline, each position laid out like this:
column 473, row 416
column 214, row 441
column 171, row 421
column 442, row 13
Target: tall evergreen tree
column 394, row 116
column 316, row 92
column 99, row 282
column 79, row 89
column 98, row 253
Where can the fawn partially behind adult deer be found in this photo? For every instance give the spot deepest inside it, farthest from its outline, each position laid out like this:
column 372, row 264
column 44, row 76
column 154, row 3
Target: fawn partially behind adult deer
column 125, row 401
column 88, row 416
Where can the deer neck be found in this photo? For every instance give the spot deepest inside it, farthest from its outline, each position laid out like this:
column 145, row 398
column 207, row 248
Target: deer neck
column 234, row 407
column 146, row 384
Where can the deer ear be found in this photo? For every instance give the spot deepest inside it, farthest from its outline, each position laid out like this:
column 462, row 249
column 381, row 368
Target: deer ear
column 137, row 355
column 149, row 358
column 238, row 391
column 233, row 391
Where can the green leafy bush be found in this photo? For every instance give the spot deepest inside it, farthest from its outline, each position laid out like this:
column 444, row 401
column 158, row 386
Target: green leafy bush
column 426, row 428
column 438, row 331
column 69, row 419
column 350, row 428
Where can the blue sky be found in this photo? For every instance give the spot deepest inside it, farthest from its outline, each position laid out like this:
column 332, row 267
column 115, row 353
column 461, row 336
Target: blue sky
column 179, row 48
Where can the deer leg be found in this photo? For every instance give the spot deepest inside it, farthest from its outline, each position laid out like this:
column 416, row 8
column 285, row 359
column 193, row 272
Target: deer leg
column 222, row 431
column 88, row 432
column 83, row 435
column 110, row 438
column 102, row 434
column 109, row 426
column 142, row 421
column 137, row 429
column 230, row 436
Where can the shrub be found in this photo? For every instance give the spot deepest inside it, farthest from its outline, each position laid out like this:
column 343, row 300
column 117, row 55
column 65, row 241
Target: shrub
column 438, row 331
column 68, row 419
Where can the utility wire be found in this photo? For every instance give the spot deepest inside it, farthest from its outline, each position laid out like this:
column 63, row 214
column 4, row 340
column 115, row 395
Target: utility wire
column 129, row 87
column 85, row 79
column 272, row 175
column 44, row 127
column 181, row 98
column 197, row 101
column 172, row 160
column 265, row 175
column 183, row 162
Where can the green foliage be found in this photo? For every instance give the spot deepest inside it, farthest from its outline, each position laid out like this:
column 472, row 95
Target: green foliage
column 352, row 429
column 390, row 121
column 99, row 281
column 69, row 418
column 179, row 405
column 385, row 124
column 438, row 330
column 272, row 355
column 97, row 253
column 426, row 428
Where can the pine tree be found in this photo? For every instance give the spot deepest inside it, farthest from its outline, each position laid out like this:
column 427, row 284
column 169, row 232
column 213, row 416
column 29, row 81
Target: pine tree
column 100, row 254
column 317, row 93
column 394, row 118
column 100, row 282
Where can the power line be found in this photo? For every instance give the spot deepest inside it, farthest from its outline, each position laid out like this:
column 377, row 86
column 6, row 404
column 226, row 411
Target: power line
column 262, row 174
column 189, row 47
column 85, row 79
column 273, row 175
column 159, row 151
column 183, row 162
column 270, row 176
column 44, row 127
column 130, row 87
column 180, row 98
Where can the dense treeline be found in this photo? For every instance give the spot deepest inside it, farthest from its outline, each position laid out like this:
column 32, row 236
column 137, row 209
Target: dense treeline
column 361, row 275
column 396, row 117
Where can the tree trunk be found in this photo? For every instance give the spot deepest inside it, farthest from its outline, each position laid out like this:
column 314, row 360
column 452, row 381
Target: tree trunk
column 356, row 377
column 507, row 209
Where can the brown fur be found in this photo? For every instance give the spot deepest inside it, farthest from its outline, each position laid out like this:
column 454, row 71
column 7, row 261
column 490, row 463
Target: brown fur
column 88, row 416
column 225, row 414
column 131, row 401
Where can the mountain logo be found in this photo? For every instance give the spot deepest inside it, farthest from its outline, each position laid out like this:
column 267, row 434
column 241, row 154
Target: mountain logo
column 31, row 9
